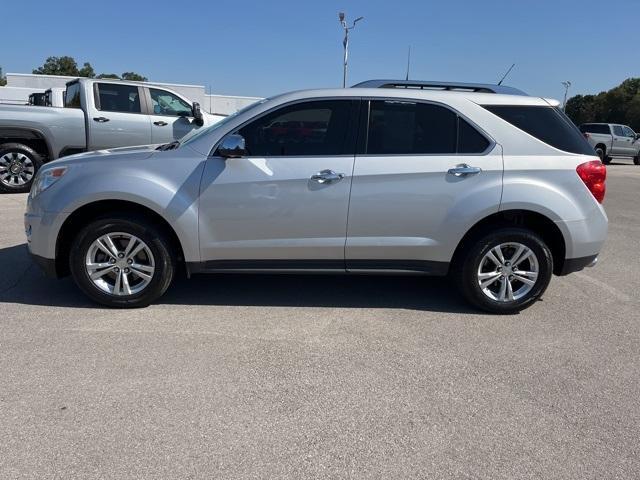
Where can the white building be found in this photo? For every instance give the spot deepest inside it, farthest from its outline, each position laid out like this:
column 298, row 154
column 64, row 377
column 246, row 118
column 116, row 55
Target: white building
column 21, row 85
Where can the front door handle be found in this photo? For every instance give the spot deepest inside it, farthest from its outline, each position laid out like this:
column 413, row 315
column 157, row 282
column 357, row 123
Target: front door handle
column 160, row 123
column 327, row 176
column 464, row 169
column 100, row 119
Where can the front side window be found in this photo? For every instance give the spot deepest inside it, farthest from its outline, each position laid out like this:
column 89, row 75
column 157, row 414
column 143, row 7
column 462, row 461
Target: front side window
column 628, row 132
column 401, row 127
column 617, row 130
column 166, row 103
column 118, row 98
column 547, row 124
column 304, row 129
column 72, row 98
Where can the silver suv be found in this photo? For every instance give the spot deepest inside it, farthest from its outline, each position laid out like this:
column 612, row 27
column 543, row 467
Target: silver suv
column 495, row 188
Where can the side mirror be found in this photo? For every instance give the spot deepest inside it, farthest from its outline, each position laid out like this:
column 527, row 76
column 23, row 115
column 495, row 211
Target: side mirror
column 197, row 114
column 232, row 146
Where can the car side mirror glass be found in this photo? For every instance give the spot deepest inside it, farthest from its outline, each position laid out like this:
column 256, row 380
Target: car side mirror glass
column 197, row 114
column 232, row 146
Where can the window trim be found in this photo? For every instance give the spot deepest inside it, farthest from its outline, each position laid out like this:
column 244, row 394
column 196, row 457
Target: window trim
column 352, row 128
column 149, row 102
column 96, row 99
column 364, row 124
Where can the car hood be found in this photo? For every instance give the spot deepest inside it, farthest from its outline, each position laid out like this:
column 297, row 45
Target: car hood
column 132, row 153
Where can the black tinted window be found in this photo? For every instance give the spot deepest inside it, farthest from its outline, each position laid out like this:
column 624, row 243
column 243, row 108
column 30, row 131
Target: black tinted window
column 72, row 98
column 118, row 98
column 469, row 139
column 310, row 128
column 546, row 124
column 397, row 127
column 595, row 128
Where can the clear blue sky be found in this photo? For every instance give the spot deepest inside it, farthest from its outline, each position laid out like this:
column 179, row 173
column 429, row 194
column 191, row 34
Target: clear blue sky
column 265, row 47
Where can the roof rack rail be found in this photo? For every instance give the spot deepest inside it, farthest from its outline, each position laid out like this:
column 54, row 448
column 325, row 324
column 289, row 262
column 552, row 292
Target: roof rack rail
column 449, row 86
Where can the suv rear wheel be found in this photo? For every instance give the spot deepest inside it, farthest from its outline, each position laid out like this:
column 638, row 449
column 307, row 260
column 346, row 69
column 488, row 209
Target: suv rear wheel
column 122, row 262
column 18, row 166
column 505, row 271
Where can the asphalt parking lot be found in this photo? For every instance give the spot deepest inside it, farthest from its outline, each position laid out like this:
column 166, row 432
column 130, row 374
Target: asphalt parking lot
column 340, row 377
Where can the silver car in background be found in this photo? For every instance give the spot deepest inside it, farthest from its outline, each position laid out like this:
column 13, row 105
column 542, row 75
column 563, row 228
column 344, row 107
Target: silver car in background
column 497, row 189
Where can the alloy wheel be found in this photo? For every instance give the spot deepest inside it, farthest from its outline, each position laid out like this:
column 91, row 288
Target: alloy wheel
column 120, row 264
column 16, row 169
column 508, row 272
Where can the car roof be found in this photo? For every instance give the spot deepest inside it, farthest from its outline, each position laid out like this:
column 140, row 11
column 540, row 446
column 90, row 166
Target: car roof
column 442, row 96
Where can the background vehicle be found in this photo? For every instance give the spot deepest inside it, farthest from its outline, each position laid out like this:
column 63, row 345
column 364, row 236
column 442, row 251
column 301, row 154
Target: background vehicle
column 99, row 114
column 499, row 191
column 612, row 140
column 54, row 97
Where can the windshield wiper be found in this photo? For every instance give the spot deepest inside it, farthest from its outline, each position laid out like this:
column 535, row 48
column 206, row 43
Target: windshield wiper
column 169, row 146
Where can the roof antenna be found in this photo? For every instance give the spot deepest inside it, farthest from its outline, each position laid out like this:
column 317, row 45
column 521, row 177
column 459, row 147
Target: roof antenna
column 505, row 75
column 408, row 63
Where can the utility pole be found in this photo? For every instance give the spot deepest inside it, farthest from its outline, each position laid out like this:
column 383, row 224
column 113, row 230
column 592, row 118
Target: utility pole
column 345, row 43
column 566, row 84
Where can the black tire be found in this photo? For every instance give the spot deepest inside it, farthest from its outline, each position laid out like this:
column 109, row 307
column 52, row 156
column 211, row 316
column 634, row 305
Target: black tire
column 465, row 272
column 14, row 154
column 636, row 160
column 606, row 160
column 600, row 151
column 150, row 234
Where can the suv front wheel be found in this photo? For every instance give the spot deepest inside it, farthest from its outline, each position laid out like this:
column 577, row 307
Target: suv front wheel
column 122, row 262
column 505, row 271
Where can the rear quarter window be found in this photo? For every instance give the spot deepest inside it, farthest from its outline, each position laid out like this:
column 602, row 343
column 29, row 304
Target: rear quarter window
column 547, row 124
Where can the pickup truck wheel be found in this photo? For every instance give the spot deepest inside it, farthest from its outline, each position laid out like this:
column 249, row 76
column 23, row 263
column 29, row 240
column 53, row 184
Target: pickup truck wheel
column 122, row 262
column 636, row 160
column 600, row 153
column 606, row 160
column 504, row 271
column 18, row 166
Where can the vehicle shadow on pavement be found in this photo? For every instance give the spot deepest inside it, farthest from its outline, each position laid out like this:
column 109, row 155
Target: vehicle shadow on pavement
column 24, row 283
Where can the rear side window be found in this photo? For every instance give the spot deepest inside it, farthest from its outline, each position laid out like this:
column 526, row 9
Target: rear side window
column 400, row 127
column 72, row 98
column 469, row 139
column 595, row 128
column 547, row 124
column 118, row 98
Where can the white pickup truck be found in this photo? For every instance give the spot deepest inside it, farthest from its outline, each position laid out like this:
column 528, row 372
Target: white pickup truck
column 97, row 115
column 612, row 140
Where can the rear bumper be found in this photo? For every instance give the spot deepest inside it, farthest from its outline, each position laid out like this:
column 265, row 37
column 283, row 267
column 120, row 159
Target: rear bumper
column 576, row 264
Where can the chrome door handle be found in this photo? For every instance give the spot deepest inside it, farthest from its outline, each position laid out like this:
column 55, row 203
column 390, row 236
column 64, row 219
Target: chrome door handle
column 100, row 119
column 464, row 169
column 160, row 123
column 327, row 176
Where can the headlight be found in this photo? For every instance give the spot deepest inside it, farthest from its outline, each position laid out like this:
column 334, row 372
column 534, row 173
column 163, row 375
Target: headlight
column 45, row 178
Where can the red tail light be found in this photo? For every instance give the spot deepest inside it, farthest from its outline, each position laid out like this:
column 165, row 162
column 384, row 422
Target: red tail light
column 594, row 174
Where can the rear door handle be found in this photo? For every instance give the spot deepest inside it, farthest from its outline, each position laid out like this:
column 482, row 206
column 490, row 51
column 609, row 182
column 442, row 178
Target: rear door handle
column 327, row 176
column 100, row 119
column 160, row 123
column 464, row 169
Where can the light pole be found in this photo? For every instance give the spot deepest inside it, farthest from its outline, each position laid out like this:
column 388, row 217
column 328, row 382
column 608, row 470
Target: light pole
column 345, row 43
column 566, row 84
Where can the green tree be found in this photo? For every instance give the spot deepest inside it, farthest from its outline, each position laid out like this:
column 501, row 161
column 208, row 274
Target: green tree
column 133, row 76
column 3, row 81
column 621, row 104
column 64, row 66
column 108, row 75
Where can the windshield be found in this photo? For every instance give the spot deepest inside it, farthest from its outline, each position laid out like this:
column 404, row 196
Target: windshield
column 195, row 134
